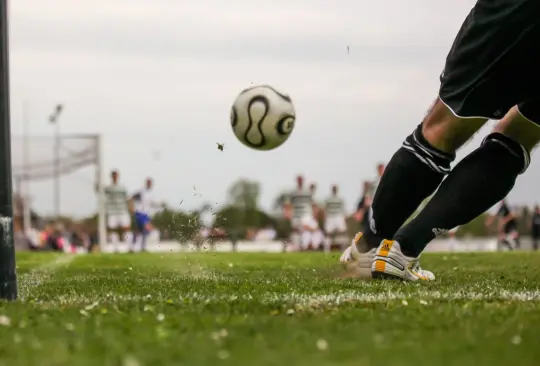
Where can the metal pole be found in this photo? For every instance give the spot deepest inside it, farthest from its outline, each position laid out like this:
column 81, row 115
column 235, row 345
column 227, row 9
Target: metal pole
column 8, row 277
column 27, row 217
column 57, row 170
column 56, row 153
column 102, row 224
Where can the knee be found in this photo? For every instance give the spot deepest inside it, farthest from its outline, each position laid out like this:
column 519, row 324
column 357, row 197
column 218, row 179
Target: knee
column 520, row 129
column 513, row 148
column 446, row 131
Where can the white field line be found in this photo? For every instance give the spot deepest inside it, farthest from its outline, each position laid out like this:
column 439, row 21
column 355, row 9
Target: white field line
column 369, row 293
column 313, row 300
column 32, row 280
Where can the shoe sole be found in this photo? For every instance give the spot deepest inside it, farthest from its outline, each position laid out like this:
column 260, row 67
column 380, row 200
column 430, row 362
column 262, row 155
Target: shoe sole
column 386, row 276
column 378, row 270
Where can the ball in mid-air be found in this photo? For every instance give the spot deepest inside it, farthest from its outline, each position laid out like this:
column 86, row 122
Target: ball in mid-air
column 262, row 117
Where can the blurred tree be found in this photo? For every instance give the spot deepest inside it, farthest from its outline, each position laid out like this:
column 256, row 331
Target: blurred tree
column 283, row 228
column 237, row 221
column 282, row 223
column 178, row 225
column 524, row 220
column 280, row 201
column 244, row 194
column 242, row 212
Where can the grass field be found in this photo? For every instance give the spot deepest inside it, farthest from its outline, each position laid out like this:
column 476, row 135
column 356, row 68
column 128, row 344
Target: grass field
column 269, row 309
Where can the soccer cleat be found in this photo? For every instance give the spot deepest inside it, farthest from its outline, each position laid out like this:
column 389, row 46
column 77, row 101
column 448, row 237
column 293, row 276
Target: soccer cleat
column 357, row 264
column 391, row 263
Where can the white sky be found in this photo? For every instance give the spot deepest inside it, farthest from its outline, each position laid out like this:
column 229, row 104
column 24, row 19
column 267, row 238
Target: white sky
column 156, row 79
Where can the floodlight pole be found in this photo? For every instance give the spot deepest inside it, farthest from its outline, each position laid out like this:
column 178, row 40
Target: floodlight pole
column 8, row 277
column 54, row 120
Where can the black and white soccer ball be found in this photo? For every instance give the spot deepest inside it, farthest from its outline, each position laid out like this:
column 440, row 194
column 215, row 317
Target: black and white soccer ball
column 262, row 117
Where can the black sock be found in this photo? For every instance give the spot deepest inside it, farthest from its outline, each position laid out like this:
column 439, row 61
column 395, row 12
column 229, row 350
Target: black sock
column 414, row 173
column 479, row 181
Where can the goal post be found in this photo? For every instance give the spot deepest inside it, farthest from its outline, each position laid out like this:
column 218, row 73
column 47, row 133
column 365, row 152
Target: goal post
column 8, row 277
column 49, row 158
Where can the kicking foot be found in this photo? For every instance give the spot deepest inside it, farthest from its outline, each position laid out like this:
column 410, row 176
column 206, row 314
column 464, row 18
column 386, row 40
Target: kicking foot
column 391, row 263
column 357, row 264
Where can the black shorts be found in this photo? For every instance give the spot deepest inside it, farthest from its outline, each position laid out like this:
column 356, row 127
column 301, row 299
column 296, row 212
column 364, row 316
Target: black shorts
column 510, row 227
column 494, row 63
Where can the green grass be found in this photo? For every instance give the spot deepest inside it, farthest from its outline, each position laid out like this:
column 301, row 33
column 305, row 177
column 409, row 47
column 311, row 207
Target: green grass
column 269, row 309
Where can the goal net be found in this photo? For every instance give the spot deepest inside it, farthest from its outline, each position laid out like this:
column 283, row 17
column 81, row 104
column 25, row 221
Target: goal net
column 57, row 176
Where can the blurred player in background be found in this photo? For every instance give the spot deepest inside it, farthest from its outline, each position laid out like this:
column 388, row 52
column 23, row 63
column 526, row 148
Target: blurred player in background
column 362, row 209
column 361, row 215
column 335, row 223
column 143, row 206
column 301, row 207
column 375, row 184
column 452, row 239
column 535, row 227
column 117, row 210
column 507, row 228
column 315, row 238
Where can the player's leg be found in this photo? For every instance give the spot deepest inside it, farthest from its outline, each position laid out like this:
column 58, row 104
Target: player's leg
column 501, row 240
column 335, row 231
column 504, row 72
column 339, row 232
column 514, row 238
column 477, row 183
column 317, row 240
column 147, row 229
column 138, row 230
column 111, row 228
column 306, row 233
column 505, row 243
column 330, row 234
column 125, row 226
column 317, row 235
column 414, row 173
column 305, row 240
column 296, row 234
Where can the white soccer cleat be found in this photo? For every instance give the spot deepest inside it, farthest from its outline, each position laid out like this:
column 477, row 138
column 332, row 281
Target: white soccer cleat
column 346, row 256
column 356, row 263
column 390, row 262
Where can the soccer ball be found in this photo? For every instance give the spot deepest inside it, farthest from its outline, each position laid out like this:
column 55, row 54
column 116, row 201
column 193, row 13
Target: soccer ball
column 262, row 117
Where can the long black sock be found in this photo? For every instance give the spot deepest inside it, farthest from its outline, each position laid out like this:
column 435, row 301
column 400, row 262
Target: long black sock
column 479, row 181
column 414, row 173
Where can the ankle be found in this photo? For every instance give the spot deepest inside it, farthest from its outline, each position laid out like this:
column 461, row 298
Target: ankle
column 369, row 241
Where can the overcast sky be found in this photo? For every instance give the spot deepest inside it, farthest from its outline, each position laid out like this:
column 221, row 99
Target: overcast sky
column 156, row 78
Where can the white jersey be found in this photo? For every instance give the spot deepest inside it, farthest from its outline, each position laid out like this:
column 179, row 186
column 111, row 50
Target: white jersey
column 116, row 199
column 334, row 206
column 302, row 204
column 143, row 202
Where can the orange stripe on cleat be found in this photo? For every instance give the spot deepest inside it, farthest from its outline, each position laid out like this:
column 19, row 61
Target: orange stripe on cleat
column 357, row 238
column 386, row 245
column 380, row 266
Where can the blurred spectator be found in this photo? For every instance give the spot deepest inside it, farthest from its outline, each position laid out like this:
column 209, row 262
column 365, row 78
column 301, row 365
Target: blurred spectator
column 361, row 214
column 53, row 239
column 535, row 227
column 268, row 233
